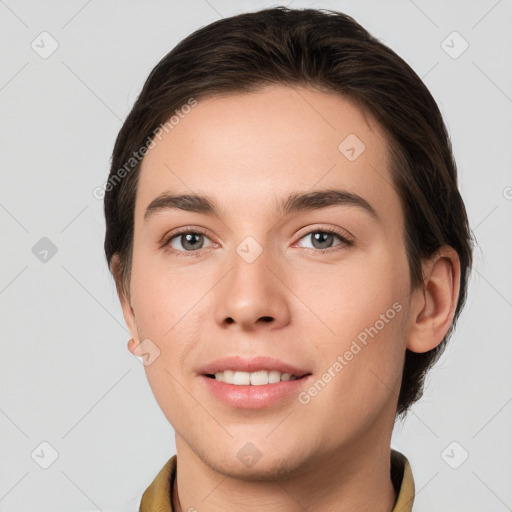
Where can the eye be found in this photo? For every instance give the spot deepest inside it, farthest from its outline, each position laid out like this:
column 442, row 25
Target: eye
column 186, row 241
column 192, row 241
column 322, row 239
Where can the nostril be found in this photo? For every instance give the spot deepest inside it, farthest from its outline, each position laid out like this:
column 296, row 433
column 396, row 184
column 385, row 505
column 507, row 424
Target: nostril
column 267, row 318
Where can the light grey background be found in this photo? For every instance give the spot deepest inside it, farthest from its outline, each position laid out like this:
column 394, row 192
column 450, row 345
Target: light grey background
column 66, row 375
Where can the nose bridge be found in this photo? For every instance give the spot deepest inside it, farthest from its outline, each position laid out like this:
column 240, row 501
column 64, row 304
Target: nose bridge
column 250, row 294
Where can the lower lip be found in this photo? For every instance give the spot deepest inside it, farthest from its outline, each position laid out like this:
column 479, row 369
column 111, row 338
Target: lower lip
column 254, row 397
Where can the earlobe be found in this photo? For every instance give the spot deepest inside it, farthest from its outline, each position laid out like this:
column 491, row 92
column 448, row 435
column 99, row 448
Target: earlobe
column 132, row 345
column 434, row 305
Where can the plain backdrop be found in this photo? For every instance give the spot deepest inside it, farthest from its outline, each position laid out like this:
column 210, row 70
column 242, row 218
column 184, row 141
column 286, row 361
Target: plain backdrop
column 73, row 397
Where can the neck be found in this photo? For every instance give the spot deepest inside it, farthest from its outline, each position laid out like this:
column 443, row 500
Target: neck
column 355, row 478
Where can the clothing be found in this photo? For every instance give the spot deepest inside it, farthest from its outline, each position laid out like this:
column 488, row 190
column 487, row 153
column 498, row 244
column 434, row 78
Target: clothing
column 157, row 497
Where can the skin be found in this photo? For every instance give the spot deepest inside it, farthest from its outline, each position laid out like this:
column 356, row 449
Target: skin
column 248, row 152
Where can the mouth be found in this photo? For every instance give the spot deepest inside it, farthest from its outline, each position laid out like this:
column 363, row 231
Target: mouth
column 257, row 378
column 254, row 371
column 254, row 383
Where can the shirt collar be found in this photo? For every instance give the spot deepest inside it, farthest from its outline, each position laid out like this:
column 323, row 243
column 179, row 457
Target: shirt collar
column 158, row 495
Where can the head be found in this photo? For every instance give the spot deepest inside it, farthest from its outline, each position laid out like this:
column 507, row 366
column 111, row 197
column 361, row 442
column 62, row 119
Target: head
column 251, row 113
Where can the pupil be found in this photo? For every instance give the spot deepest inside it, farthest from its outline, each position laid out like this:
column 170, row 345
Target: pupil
column 189, row 240
column 322, row 237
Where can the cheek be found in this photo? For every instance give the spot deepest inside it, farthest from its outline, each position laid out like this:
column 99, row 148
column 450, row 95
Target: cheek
column 360, row 373
column 165, row 314
column 361, row 306
column 350, row 296
column 162, row 296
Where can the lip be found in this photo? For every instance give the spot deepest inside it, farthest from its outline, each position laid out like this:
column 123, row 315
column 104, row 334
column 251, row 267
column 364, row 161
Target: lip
column 253, row 397
column 252, row 364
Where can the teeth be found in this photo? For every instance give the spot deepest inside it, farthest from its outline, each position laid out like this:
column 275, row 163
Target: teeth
column 242, row 379
column 274, row 377
column 259, row 378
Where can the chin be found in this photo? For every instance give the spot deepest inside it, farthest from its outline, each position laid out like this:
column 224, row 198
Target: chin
column 251, row 465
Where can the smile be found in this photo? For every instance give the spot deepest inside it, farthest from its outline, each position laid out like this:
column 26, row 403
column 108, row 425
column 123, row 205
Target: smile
column 257, row 378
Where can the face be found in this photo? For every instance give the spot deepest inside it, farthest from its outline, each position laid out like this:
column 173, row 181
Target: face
column 254, row 281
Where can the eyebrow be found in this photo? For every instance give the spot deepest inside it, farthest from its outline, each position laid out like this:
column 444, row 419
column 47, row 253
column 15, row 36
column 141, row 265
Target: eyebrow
column 295, row 202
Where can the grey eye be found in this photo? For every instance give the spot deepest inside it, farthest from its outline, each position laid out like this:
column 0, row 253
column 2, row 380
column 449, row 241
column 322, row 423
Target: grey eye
column 321, row 239
column 189, row 241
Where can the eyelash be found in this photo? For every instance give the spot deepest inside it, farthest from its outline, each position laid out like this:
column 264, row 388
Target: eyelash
column 331, row 231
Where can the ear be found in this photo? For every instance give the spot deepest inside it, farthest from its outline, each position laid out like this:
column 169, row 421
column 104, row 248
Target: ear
column 434, row 304
column 128, row 313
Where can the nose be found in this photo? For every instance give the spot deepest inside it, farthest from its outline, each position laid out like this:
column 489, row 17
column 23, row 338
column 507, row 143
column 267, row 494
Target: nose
column 251, row 297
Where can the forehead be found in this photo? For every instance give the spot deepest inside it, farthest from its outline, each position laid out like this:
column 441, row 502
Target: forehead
column 246, row 149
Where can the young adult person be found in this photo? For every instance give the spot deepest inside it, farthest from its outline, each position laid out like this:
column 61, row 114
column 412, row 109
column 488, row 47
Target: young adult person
column 291, row 252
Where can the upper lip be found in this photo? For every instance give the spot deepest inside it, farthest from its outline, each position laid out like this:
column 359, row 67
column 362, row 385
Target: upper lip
column 251, row 364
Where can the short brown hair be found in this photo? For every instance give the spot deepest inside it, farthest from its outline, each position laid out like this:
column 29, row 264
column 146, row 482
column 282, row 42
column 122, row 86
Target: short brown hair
column 331, row 52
